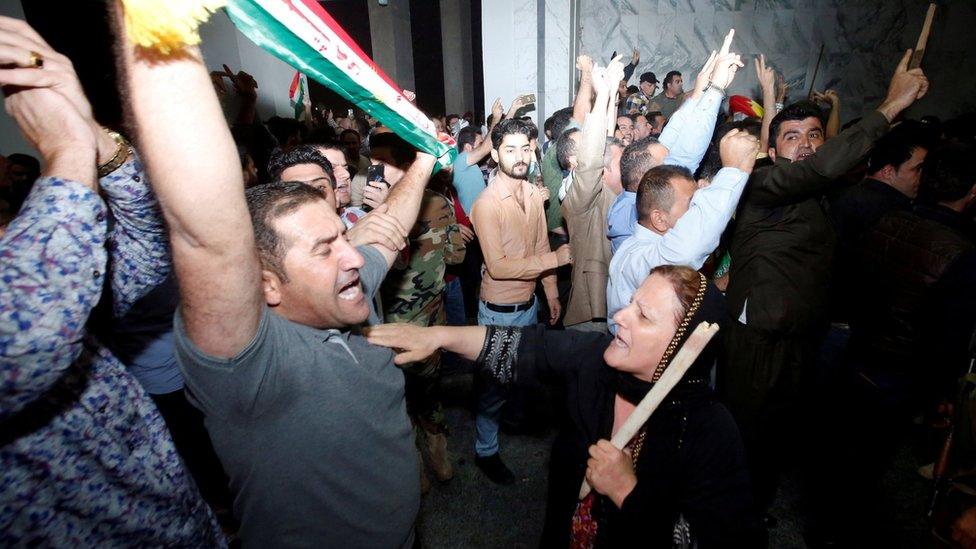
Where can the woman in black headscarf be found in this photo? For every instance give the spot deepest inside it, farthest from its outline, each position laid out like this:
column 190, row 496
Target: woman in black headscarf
column 685, row 469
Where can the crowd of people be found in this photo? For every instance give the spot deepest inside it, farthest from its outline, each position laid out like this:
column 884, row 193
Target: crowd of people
column 220, row 329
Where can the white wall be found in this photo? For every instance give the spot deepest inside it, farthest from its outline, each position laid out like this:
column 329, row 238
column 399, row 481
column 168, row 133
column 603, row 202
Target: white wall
column 863, row 42
column 511, row 48
column 223, row 43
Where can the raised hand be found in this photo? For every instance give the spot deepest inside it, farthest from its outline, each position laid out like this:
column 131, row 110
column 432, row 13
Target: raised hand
column 584, row 63
column 244, row 83
column 705, row 74
column 467, row 235
column 766, row 75
column 782, row 86
column 19, row 40
column 497, row 109
column 738, row 149
column 726, row 63
column 599, row 80
column 830, row 97
column 635, row 57
column 375, row 193
column 615, row 72
column 905, row 88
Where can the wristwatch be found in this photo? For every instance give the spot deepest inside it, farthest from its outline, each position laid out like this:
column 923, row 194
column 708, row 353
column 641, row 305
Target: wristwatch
column 121, row 153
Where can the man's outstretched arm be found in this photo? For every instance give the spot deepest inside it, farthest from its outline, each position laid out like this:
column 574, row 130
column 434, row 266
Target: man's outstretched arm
column 195, row 171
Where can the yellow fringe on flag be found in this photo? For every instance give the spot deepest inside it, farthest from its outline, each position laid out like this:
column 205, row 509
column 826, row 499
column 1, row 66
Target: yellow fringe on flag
column 167, row 25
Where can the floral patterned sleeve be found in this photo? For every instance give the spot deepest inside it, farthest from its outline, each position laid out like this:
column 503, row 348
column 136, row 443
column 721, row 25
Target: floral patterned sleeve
column 137, row 240
column 52, row 259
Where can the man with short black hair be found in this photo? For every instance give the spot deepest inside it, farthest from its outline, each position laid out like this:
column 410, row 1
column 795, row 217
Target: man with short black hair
column 625, row 130
column 893, row 176
column 556, row 167
column 510, row 223
column 678, row 223
column 683, row 143
column 657, row 120
column 782, row 252
column 269, row 291
column 305, row 164
column 671, row 97
column 911, row 326
column 642, row 128
column 472, row 148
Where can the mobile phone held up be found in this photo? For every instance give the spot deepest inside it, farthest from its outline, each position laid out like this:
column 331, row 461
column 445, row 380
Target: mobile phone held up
column 375, row 177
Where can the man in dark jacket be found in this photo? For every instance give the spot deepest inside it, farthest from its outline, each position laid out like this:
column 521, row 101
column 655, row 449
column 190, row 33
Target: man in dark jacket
column 919, row 309
column 911, row 325
column 781, row 251
column 894, row 172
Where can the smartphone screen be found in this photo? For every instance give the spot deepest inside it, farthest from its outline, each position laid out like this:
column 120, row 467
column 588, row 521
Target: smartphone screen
column 375, row 172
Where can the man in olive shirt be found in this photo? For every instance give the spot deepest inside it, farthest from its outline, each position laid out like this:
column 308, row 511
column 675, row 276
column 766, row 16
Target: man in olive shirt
column 670, row 98
column 781, row 251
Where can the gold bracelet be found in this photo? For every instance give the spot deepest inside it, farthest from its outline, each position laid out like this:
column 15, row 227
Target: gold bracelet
column 118, row 159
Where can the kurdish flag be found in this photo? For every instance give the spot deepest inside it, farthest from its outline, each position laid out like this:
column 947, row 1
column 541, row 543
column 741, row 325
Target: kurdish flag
column 298, row 96
column 302, row 34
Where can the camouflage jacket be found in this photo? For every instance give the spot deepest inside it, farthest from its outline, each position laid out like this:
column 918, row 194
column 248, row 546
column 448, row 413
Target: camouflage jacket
column 412, row 289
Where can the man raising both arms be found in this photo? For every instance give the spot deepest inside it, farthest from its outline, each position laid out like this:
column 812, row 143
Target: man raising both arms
column 299, row 409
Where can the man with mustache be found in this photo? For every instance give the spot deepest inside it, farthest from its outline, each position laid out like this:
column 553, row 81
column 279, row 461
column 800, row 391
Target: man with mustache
column 509, row 219
column 782, row 250
column 308, row 417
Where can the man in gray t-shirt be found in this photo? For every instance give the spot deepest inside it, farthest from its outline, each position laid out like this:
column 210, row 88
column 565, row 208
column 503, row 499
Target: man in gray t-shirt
column 309, row 420
column 313, row 430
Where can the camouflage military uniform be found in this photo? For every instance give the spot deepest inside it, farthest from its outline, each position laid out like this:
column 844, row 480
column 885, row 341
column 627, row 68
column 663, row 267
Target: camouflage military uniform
column 413, row 292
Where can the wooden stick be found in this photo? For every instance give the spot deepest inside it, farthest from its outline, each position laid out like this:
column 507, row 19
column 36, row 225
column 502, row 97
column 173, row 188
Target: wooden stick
column 923, row 38
column 672, row 375
column 816, row 70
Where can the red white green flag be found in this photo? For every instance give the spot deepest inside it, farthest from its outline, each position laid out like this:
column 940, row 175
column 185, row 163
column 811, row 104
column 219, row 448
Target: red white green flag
column 298, row 96
column 302, row 34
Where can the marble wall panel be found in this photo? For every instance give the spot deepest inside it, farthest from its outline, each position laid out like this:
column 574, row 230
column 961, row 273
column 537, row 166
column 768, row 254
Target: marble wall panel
column 559, row 89
column 862, row 42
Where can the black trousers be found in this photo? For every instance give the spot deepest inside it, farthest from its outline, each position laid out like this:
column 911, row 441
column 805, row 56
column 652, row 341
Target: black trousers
column 768, row 384
column 192, row 441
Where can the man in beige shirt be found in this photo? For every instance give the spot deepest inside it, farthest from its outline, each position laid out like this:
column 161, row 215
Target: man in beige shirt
column 594, row 187
column 509, row 219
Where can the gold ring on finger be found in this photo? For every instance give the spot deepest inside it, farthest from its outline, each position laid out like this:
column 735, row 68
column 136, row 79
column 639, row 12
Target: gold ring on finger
column 35, row 60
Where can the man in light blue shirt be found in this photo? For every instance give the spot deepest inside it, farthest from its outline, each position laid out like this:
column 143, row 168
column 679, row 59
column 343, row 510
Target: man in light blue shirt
column 679, row 224
column 468, row 178
column 683, row 142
